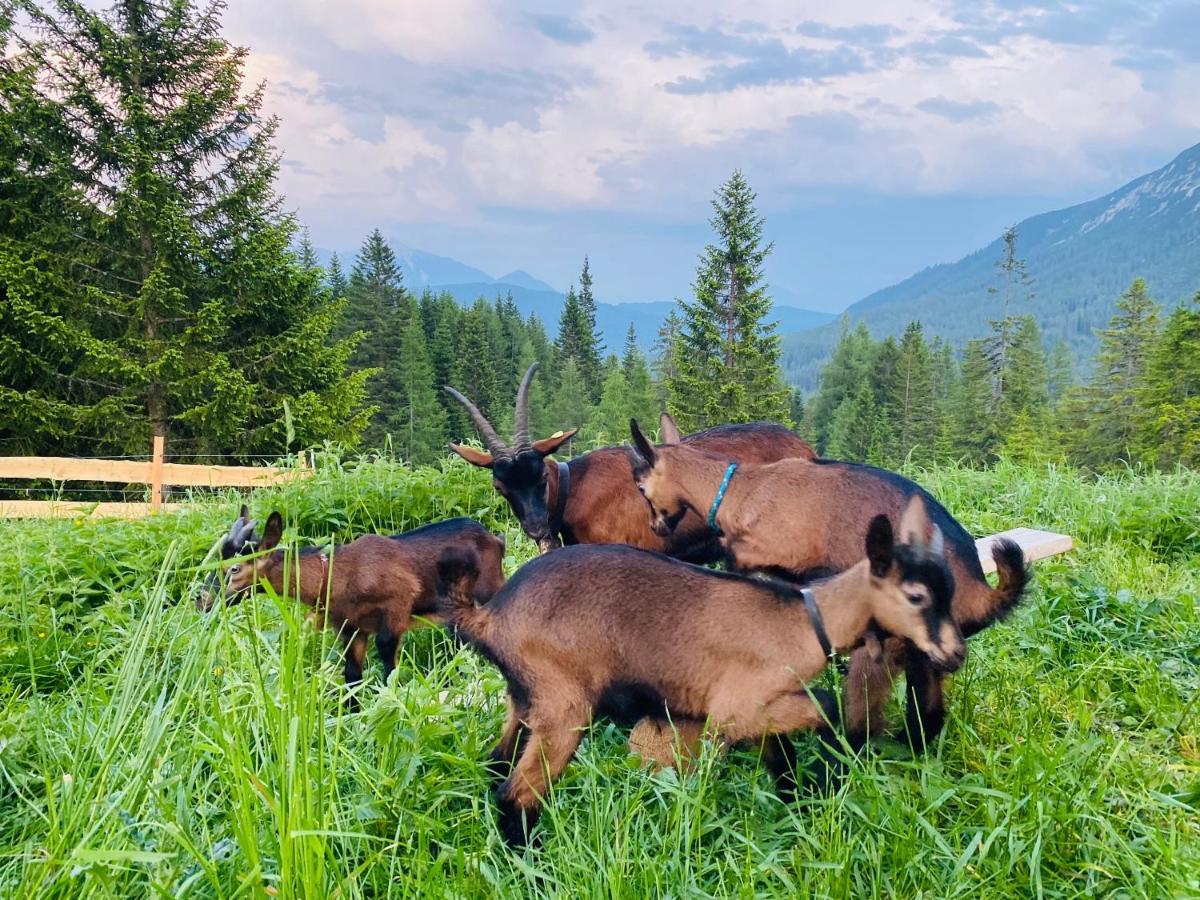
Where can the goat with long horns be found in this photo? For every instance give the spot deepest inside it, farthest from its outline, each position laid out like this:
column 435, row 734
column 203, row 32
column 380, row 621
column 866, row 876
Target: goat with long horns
column 592, row 499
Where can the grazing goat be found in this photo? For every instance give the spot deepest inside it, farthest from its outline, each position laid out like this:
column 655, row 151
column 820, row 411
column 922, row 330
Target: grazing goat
column 616, row 631
column 590, row 499
column 373, row 585
column 802, row 519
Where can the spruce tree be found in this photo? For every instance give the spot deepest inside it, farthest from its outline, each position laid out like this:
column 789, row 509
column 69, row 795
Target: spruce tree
column 1168, row 399
column 417, row 425
column 643, row 403
column 577, row 337
column 587, row 302
column 335, row 279
column 726, row 354
column 841, row 379
column 973, row 429
column 194, row 318
column 1014, row 285
column 306, row 253
column 475, row 368
column 570, row 405
column 914, row 402
column 609, row 422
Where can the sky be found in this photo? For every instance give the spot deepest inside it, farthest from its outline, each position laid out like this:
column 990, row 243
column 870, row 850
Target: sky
column 879, row 137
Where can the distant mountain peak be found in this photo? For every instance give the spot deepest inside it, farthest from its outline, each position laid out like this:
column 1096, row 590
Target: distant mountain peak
column 521, row 278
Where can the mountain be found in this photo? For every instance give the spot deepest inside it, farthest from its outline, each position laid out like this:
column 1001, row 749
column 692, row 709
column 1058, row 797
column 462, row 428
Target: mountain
column 1080, row 259
column 466, row 283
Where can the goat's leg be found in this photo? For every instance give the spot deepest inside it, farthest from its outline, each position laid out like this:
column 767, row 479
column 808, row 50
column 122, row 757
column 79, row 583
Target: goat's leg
column 775, row 720
column 867, row 686
column 512, row 739
column 926, row 708
column 387, row 643
column 546, row 754
column 355, row 653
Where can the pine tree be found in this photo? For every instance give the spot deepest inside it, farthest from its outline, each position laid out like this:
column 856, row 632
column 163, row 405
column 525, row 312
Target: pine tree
column 609, row 422
column 1014, row 285
column 336, row 278
column 915, row 405
column 973, row 428
column 418, row 423
column 306, row 254
column 1026, row 392
column 1121, row 361
column 587, row 302
column 570, row 405
column 577, row 338
column 1168, row 399
column 841, row 379
column 643, row 403
column 475, row 370
column 194, row 319
column 726, row 354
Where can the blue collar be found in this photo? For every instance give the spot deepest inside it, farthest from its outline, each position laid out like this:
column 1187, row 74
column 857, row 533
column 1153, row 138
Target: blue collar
column 716, row 504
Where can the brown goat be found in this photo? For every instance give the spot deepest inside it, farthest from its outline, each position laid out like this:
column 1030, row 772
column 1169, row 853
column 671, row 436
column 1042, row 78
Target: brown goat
column 807, row 518
column 375, row 584
column 621, row 632
column 591, row 499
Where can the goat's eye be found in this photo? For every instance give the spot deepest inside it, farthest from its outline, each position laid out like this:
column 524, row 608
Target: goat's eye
column 916, row 599
column 641, row 488
column 233, row 570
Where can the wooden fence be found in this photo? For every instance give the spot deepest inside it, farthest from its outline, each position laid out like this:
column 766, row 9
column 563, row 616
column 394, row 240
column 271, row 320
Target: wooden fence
column 154, row 472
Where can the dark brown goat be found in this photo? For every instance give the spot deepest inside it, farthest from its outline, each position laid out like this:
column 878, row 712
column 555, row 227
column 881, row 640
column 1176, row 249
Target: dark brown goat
column 615, row 631
column 807, row 518
column 375, row 584
column 591, row 498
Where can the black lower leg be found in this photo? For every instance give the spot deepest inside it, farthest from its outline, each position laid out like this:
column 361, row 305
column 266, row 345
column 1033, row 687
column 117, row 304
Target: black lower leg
column 515, row 823
column 779, row 756
column 386, row 645
column 925, row 713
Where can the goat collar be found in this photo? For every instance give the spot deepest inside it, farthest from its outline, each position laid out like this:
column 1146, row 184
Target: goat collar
column 716, row 504
column 818, row 624
column 557, row 524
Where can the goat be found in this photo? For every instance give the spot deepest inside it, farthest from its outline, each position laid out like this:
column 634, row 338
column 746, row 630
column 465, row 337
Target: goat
column 374, row 584
column 590, row 499
column 806, row 518
column 621, row 632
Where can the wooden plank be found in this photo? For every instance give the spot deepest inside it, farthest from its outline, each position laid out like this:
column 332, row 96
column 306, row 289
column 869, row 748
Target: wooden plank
column 156, row 467
column 62, row 468
column 1035, row 545
column 229, row 476
column 65, row 509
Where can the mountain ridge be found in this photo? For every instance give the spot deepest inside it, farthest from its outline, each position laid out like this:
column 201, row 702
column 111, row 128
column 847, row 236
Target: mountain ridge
column 1080, row 258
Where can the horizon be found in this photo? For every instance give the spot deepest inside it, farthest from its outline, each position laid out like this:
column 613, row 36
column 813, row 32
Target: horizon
column 879, row 142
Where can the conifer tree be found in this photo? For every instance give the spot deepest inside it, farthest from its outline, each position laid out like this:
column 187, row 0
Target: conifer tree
column 1014, row 285
column 195, row 319
column 577, row 337
column 914, row 403
column 587, row 302
column 974, row 432
column 570, row 405
column 609, row 422
column 841, row 380
column 1168, row 399
column 1060, row 373
column 726, row 353
column 417, row 425
column 335, row 279
column 307, row 254
column 475, row 369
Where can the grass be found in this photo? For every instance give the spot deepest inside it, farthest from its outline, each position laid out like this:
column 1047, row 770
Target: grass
column 149, row 750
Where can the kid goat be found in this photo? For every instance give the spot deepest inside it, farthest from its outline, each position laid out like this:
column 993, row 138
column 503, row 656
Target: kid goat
column 807, row 518
column 372, row 585
column 624, row 633
column 591, row 499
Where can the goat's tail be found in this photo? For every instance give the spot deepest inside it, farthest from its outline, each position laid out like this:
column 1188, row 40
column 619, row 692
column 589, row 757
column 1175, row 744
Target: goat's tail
column 1001, row 600
column 458, row 569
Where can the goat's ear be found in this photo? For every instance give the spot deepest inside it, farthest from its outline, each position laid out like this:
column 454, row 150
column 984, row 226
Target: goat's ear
column 546, row 446
column 914, row 523
column 641, row 444
column 668, row 431
column 880, row 543
column 272, row 532
column 244, row 515
column 480, row 458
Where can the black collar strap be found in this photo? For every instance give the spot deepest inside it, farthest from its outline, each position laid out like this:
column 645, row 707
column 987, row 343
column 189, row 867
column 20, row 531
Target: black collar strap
column 557, row 525
column 818, row 624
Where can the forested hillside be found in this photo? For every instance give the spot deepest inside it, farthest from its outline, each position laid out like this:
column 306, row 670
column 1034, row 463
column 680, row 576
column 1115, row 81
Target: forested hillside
column 1079, row 260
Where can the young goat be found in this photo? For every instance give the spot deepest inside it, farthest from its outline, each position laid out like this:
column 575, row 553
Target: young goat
column 807, row 518
column 590, row 499
column 372, row 585
column 624, row 632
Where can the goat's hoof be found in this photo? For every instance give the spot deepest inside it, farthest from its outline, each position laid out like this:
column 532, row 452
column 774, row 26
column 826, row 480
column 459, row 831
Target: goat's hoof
column 516, row 824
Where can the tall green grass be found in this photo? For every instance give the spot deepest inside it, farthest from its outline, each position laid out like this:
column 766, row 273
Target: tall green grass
column 147, row 749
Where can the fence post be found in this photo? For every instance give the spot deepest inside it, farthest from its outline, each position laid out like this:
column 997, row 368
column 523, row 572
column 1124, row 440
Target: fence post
column 156, row 474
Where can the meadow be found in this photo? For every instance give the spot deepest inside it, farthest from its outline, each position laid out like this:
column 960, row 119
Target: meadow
column 147, row 749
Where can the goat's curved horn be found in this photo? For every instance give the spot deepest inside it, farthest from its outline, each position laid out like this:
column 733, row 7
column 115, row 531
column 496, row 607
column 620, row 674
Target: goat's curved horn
column 521, row 439
column 482, row 425
column 235, row 528
column 244, row 535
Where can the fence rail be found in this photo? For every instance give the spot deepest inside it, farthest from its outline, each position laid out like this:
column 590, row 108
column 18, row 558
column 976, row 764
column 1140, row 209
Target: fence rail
column 154, row 472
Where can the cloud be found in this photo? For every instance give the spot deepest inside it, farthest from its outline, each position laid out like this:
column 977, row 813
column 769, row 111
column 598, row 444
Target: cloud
column 958, row 110
column 563, row 29
column 870, row 33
